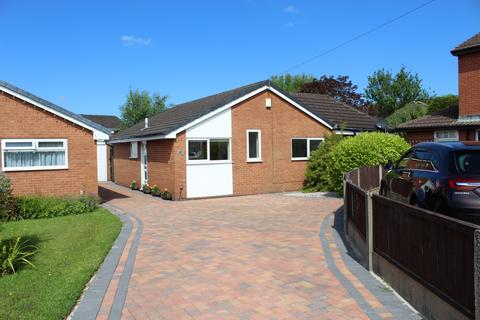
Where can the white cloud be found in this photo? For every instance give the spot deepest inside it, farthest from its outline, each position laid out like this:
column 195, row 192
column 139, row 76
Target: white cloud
column 289, row 24
column 290, row 9
column 131, row 41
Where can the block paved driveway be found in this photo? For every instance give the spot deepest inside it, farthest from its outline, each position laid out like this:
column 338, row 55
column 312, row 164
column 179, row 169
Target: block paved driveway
column 252, row 257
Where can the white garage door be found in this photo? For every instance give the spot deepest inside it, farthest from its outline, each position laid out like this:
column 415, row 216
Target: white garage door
column 208, row 180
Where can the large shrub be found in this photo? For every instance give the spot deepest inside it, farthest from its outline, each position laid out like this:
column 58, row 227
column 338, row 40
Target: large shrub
column 8, row 203
column 367, row 149
column 34, row 207
column 317, row 177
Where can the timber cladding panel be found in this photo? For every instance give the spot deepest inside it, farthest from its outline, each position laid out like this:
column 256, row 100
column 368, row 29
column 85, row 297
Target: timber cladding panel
column 277, row 172
column 20, row 120
column 469, row 84
column 125, row 169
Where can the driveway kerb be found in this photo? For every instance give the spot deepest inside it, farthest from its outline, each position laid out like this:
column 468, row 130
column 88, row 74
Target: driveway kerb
column 91, row 300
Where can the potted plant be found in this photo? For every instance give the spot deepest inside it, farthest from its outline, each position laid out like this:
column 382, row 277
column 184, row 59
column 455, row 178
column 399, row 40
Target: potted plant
column 156, row 192
column 166, row 195
column 146, row 188
column 134, row 185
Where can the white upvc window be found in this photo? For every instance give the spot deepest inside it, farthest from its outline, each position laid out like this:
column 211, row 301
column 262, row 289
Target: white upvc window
column 254, row 145
column 134, row 150
column 208, row 150
column 34, row 154
column 446, row 135
column 303, row 147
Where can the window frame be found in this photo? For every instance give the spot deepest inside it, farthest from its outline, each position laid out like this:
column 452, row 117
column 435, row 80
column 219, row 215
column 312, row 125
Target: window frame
column 308, row 147
column 437, row 139
column 208, row 161
column 133, row 156
column 259, row 151
column 35, row 148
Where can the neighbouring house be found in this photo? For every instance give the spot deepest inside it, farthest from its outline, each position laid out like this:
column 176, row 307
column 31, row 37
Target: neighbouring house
column 252, row 139
column 104, row 151
column 46, row 149
column 460, row 122
column 112, row 123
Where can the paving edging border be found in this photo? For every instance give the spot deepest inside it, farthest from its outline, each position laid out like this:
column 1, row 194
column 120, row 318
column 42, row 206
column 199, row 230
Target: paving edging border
column 91, row 300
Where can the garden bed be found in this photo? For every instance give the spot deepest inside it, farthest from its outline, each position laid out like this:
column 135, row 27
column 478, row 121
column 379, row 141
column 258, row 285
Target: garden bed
column 70, row 250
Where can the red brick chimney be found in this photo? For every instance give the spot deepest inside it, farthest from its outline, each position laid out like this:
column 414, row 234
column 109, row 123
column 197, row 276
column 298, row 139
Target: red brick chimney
column 468, row 54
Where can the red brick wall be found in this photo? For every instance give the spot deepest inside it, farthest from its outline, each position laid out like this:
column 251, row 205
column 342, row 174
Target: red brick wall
column 469, row 84
column 180, row 191
column 125, row 169
column 161, row 163
column 418, row 136
column 22, row 120
column 277, row 172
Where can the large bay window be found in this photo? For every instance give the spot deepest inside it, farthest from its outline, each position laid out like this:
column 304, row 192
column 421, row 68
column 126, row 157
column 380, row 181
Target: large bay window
column 34, row 154
column 303, row 147
column 208, row 150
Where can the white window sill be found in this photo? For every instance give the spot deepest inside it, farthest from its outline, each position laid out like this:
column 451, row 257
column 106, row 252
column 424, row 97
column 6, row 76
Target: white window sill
column 34, row 169
column 299, row 159
column 206, row 162
column 254, row 160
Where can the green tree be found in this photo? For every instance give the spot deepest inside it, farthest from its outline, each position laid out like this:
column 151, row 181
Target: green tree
column 410, row 111
column 141, row 105
column 388, row 92
column 291, row 83
column 442, row 102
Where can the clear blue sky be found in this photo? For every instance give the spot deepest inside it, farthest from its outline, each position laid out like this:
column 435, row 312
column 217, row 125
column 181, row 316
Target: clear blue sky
column 85, row 55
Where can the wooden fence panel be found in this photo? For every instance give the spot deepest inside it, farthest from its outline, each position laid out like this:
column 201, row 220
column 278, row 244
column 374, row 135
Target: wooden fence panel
column 356, row 208
column 435, row 250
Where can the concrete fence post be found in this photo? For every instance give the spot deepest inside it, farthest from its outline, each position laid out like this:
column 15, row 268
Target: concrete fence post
column 476, row 270
column 369, row 229
column 380, row 172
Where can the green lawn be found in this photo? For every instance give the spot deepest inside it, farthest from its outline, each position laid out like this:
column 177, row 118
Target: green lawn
column 70, row 250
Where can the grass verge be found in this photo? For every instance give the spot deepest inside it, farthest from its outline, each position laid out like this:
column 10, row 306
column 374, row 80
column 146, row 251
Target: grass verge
column 70, row 250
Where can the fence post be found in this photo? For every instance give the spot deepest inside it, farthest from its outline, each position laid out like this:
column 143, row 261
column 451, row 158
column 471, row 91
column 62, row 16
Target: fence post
column 476, row 270
column 369, row 227
column 380, row 173
column 345, row 206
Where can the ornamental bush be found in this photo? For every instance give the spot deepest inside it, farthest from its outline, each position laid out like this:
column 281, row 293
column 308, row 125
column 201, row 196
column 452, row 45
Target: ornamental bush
column 8, row 203
column 35, row 207
column 317, row 177
column 364, row 150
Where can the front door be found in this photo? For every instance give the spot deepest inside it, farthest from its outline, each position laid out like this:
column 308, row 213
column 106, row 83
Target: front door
column 144, row 163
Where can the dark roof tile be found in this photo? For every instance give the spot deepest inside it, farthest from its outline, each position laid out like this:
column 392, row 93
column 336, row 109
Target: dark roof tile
column 470, row 45
column 108, row 121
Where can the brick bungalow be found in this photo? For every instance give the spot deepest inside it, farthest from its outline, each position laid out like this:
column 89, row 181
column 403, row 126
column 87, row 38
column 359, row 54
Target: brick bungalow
column 45, row 149
column 252, row 139
column 460, row 122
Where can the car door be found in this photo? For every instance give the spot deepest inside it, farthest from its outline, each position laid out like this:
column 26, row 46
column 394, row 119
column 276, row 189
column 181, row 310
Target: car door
column 424, row 177
column 399, row 178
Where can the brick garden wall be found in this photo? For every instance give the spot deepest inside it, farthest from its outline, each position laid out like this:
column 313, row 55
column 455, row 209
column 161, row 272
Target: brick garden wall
column 19, row 119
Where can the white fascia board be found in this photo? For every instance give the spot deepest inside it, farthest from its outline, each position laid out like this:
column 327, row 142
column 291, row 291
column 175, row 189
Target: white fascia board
column 97, row 135
column 174, row 133
column 158, row 137
column 344, row 132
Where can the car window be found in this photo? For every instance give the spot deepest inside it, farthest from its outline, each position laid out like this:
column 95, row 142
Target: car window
column 468, row 161
column 425, row 160
column 405, row 162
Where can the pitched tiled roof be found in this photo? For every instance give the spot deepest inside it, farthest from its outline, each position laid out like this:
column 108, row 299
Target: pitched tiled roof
column 182, row 114
column 52, row 106
column 110, row 122
column 336, row 112
column 442, row 119
column 472, row 44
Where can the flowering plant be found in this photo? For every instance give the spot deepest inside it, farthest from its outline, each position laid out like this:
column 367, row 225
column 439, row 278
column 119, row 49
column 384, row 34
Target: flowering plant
column 146, row 188
column 134, row 185
column 155, row 191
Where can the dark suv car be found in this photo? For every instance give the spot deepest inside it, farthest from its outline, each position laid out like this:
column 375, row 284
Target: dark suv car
column 442, row 177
